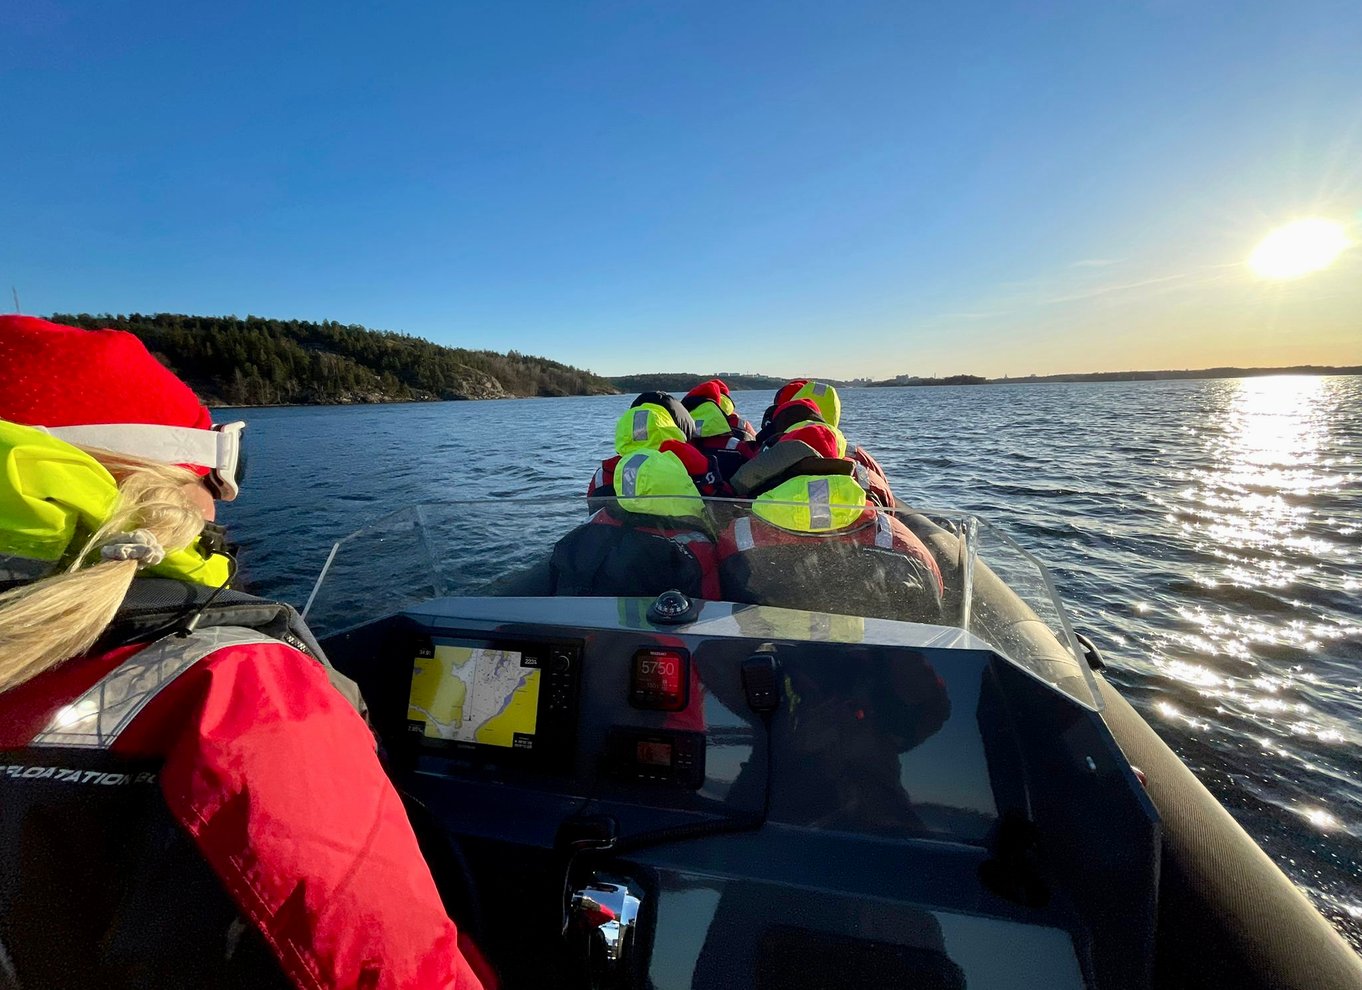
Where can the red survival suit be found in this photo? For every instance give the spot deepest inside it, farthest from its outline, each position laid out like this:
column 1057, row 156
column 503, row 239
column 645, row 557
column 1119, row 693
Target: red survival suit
column 142, row 781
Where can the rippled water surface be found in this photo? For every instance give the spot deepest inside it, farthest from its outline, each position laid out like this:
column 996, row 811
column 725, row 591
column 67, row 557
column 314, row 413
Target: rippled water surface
column 1206, row 534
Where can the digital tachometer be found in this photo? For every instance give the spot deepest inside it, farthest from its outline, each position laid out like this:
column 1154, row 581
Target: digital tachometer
column 659, row 679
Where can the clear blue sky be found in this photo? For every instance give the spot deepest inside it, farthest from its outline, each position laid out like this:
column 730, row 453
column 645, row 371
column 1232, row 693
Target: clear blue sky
column 849, row 188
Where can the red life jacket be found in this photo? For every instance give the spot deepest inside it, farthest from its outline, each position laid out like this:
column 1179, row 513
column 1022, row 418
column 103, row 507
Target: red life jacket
column 727, row 454
column 709, row 445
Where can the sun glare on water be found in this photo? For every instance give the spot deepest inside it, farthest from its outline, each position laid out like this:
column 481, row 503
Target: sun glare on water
column 1299, row 248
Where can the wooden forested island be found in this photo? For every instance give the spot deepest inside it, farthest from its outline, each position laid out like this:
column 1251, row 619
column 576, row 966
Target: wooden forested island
column 255, row 361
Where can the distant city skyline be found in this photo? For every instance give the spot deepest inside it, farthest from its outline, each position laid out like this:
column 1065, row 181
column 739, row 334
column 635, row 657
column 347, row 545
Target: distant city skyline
column 871, row 188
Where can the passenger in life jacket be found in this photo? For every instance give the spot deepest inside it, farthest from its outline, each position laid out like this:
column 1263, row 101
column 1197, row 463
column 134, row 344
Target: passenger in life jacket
column 716, row 390
column 798, row 418
column 824, row 396
column 793, row 415
column 813, row 540
column 829, row 404
column 192, row 798
column 652, row 534
column 657, row 421
column 721, row 433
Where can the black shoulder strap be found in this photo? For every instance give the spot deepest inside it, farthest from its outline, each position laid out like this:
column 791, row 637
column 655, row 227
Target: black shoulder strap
column 154, row 607
column 782, row 461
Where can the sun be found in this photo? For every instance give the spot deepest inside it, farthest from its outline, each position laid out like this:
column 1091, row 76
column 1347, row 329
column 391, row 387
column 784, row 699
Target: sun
column 1299, row 248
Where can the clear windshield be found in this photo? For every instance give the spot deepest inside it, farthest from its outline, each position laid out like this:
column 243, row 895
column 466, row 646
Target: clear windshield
column 939, row 568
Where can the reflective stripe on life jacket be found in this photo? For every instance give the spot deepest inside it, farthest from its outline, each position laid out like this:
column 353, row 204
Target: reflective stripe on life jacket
column 742, row 533
column 640, row 427
column 884, row 532
column 628, row 475
column 605, row 475
column 97, row 718
column 872, row 478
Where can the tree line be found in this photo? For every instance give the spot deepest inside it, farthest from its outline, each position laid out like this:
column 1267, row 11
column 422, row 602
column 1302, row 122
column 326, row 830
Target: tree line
column 679, row 383
column 259, row 361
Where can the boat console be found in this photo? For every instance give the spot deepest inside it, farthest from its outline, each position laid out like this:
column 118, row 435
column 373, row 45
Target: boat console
column 615, row 792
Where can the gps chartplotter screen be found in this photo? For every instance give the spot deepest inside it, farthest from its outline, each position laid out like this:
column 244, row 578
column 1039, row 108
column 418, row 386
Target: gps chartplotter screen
column 467, row 692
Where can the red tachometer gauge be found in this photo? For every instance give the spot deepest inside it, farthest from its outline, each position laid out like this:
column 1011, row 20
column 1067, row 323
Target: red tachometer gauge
column 659, row 680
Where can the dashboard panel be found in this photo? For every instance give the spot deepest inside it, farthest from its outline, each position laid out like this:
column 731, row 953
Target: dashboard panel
column 876, row 725
column 875, row 770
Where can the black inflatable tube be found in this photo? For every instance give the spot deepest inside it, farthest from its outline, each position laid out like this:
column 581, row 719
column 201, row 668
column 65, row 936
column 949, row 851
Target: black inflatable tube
column 1228, row 917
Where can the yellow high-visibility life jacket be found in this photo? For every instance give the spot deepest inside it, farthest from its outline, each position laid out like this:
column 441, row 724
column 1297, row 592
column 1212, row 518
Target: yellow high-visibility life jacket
column 812, row 503
column 645, row 427
column 710, row 420
column 827, row 400
column 656, row 483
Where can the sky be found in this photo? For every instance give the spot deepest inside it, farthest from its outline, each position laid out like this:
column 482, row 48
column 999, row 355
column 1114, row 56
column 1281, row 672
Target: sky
column 860, row 188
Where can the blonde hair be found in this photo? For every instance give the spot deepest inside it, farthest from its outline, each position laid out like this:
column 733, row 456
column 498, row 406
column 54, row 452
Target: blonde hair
column 47, row 622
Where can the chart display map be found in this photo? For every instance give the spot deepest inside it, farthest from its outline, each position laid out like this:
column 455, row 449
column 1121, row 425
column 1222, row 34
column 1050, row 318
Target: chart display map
column 476, row 695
